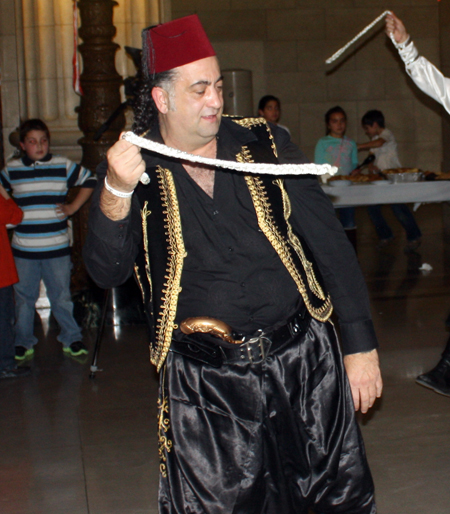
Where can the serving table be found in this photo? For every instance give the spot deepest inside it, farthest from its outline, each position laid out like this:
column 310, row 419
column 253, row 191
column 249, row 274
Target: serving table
column 384, row 192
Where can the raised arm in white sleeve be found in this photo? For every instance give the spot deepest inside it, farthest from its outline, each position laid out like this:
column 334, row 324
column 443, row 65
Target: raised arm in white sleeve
column 426, row 76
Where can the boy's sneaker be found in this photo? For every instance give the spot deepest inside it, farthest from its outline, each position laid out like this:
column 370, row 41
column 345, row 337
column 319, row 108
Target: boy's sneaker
column 23, row 353
column 76, row 349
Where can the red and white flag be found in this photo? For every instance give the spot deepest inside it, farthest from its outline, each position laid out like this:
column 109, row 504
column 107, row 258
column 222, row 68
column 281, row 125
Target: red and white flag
column 76, row 56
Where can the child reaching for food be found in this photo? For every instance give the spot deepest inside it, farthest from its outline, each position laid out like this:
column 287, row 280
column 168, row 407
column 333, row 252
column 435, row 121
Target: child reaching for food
column 383, row 145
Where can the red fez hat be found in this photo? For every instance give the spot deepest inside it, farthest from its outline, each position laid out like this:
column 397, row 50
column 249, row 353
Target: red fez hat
column 174, row 44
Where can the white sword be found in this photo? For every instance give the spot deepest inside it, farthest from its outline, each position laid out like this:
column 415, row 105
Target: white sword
column 244, row 167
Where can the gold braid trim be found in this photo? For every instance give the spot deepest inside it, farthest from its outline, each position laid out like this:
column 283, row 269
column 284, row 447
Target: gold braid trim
column 295, row 242
column 267, row 225
column 177, row 252
column 252, row 122
column 164, row 443
column 138, row 278
column 145, row 213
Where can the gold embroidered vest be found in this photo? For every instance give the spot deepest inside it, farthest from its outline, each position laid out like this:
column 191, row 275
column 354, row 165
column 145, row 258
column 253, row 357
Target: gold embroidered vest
column 159, row 265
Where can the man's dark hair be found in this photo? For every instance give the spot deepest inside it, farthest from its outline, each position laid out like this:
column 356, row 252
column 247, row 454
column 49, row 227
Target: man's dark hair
column 265, row 100
column 372, row 117
column 145, row 110
column 33, row 124
column 331, row 111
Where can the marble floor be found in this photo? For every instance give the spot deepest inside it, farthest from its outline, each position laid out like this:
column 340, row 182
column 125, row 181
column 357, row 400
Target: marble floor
column 72, row 444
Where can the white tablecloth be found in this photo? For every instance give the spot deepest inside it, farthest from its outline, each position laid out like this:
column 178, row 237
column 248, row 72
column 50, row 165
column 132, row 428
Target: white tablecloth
column 370, row 194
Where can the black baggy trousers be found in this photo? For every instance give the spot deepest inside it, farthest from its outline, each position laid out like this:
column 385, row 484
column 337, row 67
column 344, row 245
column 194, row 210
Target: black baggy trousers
column 277, row 436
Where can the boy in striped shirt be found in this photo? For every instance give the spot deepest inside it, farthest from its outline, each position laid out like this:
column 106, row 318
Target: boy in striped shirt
column 39, row 182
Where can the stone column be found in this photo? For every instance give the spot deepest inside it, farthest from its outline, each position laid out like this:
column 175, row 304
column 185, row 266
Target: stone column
column 99, row 79
column 101, row 97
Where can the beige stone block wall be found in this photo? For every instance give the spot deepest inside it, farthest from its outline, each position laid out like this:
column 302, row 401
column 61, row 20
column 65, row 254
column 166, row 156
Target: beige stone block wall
column 283, row 42
column 296, row 36
column 248, row 55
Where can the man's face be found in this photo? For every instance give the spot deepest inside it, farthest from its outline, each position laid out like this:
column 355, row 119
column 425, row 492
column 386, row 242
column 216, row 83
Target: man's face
column 35, row 145
column 271, row 111
column 195, row 105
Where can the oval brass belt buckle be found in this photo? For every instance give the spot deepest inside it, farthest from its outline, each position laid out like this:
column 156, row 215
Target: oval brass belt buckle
column 207, row 325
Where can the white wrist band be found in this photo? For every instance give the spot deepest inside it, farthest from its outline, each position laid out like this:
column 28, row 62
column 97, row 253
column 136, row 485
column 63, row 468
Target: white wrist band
column 120, row 194
column 400, row 46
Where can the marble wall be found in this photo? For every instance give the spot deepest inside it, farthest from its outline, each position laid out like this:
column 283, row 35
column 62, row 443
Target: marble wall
column 285, row 44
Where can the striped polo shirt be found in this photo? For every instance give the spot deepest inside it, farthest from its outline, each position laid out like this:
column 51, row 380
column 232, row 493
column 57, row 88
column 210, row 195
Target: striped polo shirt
column 37, row 187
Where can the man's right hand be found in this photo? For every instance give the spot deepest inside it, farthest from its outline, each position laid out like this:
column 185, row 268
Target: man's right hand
column 395, row 26
column 125, row 167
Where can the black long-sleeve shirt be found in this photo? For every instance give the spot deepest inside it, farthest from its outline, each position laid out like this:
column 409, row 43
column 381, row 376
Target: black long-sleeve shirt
column 231, row 271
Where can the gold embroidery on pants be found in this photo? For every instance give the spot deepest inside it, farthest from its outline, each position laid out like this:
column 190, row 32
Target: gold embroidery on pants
column 164, row 443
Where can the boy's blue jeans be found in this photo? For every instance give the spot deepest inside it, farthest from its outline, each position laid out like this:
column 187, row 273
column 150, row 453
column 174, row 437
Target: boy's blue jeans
column 404, row 216
column 56, row 275
column 7, row 353
column 347, row 217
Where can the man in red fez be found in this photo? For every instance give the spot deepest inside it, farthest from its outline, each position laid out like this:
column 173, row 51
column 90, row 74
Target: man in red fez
column 239, row 275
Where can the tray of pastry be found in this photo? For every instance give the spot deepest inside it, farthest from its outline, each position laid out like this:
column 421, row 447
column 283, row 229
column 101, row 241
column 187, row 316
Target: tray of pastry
column 360, row 178
column 402, row 175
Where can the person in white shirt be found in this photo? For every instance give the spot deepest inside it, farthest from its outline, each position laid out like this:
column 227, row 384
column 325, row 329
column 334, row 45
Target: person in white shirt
column 384, row 146
column 425, row 75
column 432, row 82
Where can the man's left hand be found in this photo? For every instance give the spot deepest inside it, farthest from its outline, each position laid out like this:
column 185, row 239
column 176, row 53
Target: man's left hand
column 364, row 375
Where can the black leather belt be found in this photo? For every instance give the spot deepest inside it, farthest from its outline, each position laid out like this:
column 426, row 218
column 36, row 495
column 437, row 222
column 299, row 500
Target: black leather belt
column 254, row 349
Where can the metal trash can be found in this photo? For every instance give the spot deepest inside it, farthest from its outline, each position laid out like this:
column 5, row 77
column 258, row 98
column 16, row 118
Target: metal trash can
column 238, row 92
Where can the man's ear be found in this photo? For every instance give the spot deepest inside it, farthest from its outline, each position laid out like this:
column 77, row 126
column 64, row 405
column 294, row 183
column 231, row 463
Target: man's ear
column 161, row 99
column 22, row 145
